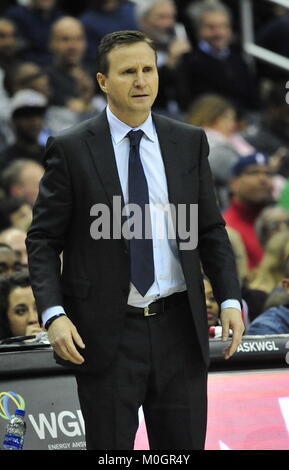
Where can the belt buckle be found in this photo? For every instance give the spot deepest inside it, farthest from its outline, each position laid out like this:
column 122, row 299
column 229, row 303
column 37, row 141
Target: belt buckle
column 147, row 312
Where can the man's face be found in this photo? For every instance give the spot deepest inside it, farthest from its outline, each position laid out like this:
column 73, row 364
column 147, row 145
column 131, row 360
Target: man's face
column 8, row 262
column 16, row 239
column 254, row 185
column 162, row 17
column 29, row 179
column 28, row 125
column 215, row 29
column 131, row 84
column 68, row 43
column 8, row 40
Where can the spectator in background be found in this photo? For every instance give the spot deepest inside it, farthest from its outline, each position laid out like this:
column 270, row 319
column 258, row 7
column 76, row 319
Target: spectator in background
column 270, row 271
column 29, row 75
column 86, row 105
column 67, row 74
column 18, row 314
column 213, row 311
column 106, row 16
column 34, row 21
column 214, row 66
column 8, row 59
column 8, row 261
column 15, row 238
column 27, row 116
column 270, row 134
column 218, row 117
column 8, row 62
column 16, row 213
column 21, row 180
column 157, row 19
column 275, row 320
column 251, row 187
column 271, row 220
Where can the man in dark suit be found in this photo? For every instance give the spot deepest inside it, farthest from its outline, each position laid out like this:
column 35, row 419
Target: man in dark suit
column 129, row 315
column 215, row 64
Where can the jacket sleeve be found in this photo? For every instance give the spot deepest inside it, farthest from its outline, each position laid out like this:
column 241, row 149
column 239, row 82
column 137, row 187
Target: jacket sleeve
column 46, row 236
column 215, row 249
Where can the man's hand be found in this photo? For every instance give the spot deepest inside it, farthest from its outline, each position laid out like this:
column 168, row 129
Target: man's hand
column 62, row 335
column 231, row 318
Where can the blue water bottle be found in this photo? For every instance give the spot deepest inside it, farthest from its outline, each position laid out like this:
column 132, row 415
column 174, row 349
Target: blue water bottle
column 15, row 431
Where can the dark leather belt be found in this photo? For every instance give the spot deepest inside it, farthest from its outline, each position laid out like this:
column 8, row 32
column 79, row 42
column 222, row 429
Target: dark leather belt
column 159, row 306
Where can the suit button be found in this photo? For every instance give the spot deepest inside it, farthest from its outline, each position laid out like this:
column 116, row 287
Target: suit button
column 125, row 251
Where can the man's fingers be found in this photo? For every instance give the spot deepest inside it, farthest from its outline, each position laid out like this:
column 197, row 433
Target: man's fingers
column 77, row 338
column 65, row 348
column 231, row 320
column 225, row 331
column 63, row 336
column 235, row 343
column 73, row 354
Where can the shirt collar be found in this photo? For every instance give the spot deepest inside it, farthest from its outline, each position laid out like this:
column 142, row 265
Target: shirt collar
column 207, row 48
column 119, row 129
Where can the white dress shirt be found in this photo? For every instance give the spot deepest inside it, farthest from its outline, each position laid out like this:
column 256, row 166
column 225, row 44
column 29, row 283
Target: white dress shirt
column 169, row 276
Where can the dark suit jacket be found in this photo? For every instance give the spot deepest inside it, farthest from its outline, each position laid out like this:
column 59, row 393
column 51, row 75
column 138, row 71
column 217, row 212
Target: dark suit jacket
column 93, row 286
column 200, row 73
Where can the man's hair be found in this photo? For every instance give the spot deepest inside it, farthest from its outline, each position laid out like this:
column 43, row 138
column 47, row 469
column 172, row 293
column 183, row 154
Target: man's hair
column 11, row 174
column 117, row 39
column 144, row 8
column 196, row 11
column 7, row 285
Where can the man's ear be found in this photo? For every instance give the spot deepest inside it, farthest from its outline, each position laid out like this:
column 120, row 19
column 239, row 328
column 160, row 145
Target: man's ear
column 285, row 284
column 101, row 79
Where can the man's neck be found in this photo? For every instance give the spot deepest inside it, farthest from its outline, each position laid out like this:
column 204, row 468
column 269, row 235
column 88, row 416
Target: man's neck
column 133, row 120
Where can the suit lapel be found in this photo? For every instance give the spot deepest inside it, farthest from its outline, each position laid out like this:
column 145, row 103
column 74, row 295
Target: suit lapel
column 171, row 157
column 102, row 154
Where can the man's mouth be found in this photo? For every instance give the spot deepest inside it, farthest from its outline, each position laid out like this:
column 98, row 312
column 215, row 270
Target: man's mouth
column 140, row 95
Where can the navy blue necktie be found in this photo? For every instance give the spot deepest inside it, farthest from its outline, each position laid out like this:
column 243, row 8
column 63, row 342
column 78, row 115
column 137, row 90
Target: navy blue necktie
column 141, row 249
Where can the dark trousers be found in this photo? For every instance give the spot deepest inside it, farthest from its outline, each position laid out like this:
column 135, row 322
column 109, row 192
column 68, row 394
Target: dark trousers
column 158, row 366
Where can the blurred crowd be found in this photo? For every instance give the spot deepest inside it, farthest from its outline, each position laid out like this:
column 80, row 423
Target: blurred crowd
column 48, row 62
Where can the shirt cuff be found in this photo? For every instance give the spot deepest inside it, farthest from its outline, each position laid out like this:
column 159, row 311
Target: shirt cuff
column 231, row 303
column 50, row 312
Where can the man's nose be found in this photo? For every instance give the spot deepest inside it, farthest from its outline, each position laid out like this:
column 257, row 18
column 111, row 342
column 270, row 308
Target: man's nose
column 140, row 80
